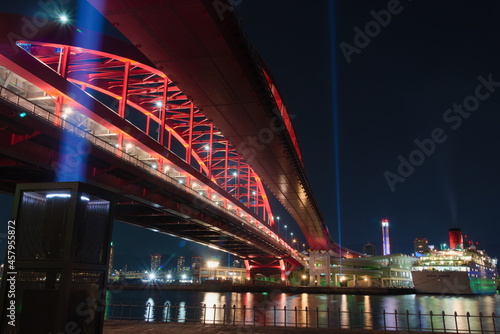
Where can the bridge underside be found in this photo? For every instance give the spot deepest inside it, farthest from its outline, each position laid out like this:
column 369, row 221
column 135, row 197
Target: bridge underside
column 30, row 149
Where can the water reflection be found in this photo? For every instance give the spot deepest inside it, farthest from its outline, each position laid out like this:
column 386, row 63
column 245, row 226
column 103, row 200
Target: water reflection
column 149, row 314
column 166, row 311
column 343, row 311
column 182, row 312
column 367, row 314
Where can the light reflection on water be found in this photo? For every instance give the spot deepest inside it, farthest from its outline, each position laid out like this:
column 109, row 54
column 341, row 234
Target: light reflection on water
column 360, row 311
column 149, row 314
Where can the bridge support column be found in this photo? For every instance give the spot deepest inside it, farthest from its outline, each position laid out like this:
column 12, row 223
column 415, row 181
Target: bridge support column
column 249, row 270
column 59, row 265
column 284, row 275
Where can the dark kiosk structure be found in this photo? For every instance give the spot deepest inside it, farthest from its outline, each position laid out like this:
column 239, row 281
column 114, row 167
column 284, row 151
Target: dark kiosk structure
column 57, row 282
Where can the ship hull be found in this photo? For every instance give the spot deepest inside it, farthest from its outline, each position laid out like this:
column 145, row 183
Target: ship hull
column 451, row 282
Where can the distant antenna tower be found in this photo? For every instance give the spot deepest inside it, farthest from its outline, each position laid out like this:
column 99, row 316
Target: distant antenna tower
column 386, row 244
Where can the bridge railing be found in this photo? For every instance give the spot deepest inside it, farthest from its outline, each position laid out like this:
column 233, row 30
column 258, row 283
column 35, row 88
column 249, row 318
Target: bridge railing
column 316, row 317
column 53, row 119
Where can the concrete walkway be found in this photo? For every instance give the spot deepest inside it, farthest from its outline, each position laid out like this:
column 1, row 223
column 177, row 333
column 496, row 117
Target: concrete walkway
column 133, row 327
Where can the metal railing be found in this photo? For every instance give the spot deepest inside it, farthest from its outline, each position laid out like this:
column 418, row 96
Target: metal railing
column 318, row 317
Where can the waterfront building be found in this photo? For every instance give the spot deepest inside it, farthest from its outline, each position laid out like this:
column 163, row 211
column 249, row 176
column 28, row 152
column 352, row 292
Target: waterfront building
column 221, row 275
column 196, row 262
column 181, row 262
column 392, row 270
column 155, row 262
column 369, row 249
column 421, row 245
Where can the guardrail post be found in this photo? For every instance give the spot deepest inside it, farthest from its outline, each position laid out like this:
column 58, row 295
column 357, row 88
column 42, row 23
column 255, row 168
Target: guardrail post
column 481, row 321
column 349, row 313
column 385, row 326
column 317, row 317
column 204, row 314
column 340, row 317
column 396, row 318
column 444, row 322
column 265, row 309
column 194, row 312
column 284, row 315
column 234, row 314
column 408, row 320
column 456, row 321
column 130, row 311
column 296, row 320
column 468, row 322
column 215, row 311
column 149, row 310
column 244, row 314
column 307, row 318
column 493, row 320
column 121, row 312
column 432, row 323
column 328, row 317
column 224, row 314
column 419, row 320
column 254, row 316
column 362, row 316
column 274, row 309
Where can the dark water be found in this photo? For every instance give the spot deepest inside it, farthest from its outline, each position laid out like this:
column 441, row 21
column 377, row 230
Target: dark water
column 358, row 311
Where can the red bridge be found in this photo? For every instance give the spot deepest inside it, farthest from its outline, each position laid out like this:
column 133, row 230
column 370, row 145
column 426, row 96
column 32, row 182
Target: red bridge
column 185, row 124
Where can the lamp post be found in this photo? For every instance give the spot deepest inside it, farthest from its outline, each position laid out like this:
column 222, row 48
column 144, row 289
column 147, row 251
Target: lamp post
column 278, row 221
column 291, row 236
column 286, row 234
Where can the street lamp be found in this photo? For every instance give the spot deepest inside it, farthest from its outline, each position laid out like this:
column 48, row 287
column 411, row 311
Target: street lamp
column 293, row 243
column 286, row 234
column 278, row 219
column 291, row 236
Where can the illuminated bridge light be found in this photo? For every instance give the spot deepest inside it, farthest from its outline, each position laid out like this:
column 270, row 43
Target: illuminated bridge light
column 22, row 114
column 63, row 18
column 58, row 196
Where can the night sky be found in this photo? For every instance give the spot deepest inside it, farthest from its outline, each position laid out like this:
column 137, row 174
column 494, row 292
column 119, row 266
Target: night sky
column 402, row 86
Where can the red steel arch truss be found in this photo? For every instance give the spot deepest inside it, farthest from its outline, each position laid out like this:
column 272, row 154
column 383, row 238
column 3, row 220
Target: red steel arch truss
column 150, row 101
